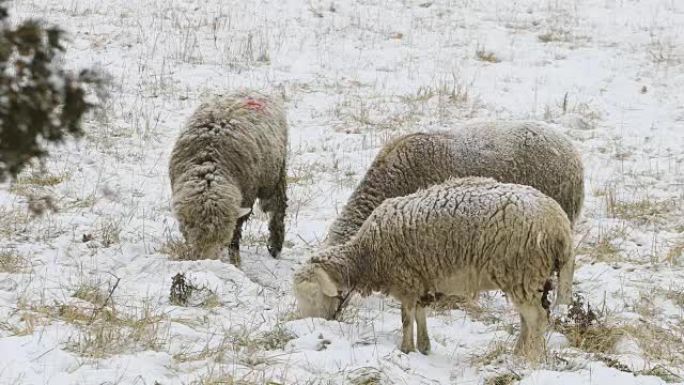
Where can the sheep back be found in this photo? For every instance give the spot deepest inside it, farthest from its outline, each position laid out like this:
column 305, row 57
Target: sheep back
column 231, row 152
column 465, row 235
column 528, row 153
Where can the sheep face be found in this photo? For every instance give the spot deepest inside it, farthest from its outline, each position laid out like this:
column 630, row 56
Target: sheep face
column 316, row 293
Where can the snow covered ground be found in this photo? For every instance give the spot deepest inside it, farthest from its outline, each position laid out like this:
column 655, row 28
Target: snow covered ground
column 84, row 292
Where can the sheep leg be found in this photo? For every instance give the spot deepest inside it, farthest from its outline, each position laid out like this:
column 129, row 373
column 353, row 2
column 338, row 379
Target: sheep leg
column 564, row 291
column 531, row 340
column 408, row 316
column 524, row 331
column 234, row 248
column 276, row 224
column 423, row 340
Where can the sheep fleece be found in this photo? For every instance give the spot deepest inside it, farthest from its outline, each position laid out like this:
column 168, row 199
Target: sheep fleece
column 232, row 151
column 503, row 236
column 528, row 153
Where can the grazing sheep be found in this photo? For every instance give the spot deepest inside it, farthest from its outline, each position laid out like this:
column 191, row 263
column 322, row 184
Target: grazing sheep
column 528, row 153
column 232, row 152
column 463, row 236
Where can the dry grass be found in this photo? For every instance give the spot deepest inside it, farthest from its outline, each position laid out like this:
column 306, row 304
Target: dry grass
column 13, row 221
column 486, row 56
column 612, row 362
column 675, row 252
column 663, row 373
column 586, row 331
column 660, row 371
column 446, row 100
column 243, row 346
column 658, row 344
column 91, row 292
column 641, row 210
column 274, row 339
column 111, row 332
column 676, row 296
column 11, row 261
column 493, row 353
column 586, row 116
column 227, row 377
column 176, row 249
column 27, row 185
column 599, row 338
column 41, row 179
column 469, row 305
column 603, row 248
column 87, row 201
column 452, row 91
column 243, row 343
column 109, row 232
column 662, row 50
column 301, row 176
column 348, row 179
column 214, row 353
column 503, row 379
column 100, row 332
column 259, row 239
column 100, row 327
column 367, row 376
column 358, row 114
column 557, row 35
column 562, row 35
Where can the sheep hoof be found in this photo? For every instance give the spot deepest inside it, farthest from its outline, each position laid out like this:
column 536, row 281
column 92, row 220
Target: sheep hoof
column 234, row 257
column 275, row 253
column 407, row 349
column 424, row 348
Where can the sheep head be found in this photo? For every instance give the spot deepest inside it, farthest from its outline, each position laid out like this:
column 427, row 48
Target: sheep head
column 316, row 293
column 207, row 216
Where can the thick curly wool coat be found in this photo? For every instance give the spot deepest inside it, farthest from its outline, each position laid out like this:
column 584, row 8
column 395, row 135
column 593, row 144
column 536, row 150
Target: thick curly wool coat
column 232, row 151
column 463, row 236
column 528, row 153
column 504, row 236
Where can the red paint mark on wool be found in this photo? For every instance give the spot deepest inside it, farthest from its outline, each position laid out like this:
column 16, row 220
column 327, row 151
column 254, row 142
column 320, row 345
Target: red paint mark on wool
column 255, row 104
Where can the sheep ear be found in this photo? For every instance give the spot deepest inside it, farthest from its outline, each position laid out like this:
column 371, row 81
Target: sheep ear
column 242, row 211
column 328, row 287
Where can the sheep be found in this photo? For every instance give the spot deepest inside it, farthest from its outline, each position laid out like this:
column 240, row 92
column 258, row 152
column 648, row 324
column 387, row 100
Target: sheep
column 522, row 152
column 462, row 236
column 232, row 151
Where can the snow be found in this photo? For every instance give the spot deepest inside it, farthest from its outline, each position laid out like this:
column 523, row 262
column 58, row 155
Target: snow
column 610, row 73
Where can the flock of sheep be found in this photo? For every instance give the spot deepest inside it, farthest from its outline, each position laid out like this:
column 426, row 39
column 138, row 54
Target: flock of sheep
column 488, row 206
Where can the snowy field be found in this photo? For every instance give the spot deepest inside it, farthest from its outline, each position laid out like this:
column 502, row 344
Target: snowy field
column 84, row 291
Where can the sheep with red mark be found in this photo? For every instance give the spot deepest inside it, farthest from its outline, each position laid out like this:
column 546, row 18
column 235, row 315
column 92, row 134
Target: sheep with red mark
column 232, row 151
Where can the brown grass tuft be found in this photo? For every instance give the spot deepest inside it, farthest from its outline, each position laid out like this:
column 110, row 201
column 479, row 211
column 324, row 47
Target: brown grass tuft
column 503, row 379
column 584, row 330
column 11, row 261
column 486, row 56
column 176, row 249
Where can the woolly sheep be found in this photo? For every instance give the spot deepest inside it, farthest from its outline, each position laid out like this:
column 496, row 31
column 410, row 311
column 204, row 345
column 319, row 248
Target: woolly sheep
column 232, row 151
column 522, row 152
column 463, row 236
column 529, row 153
